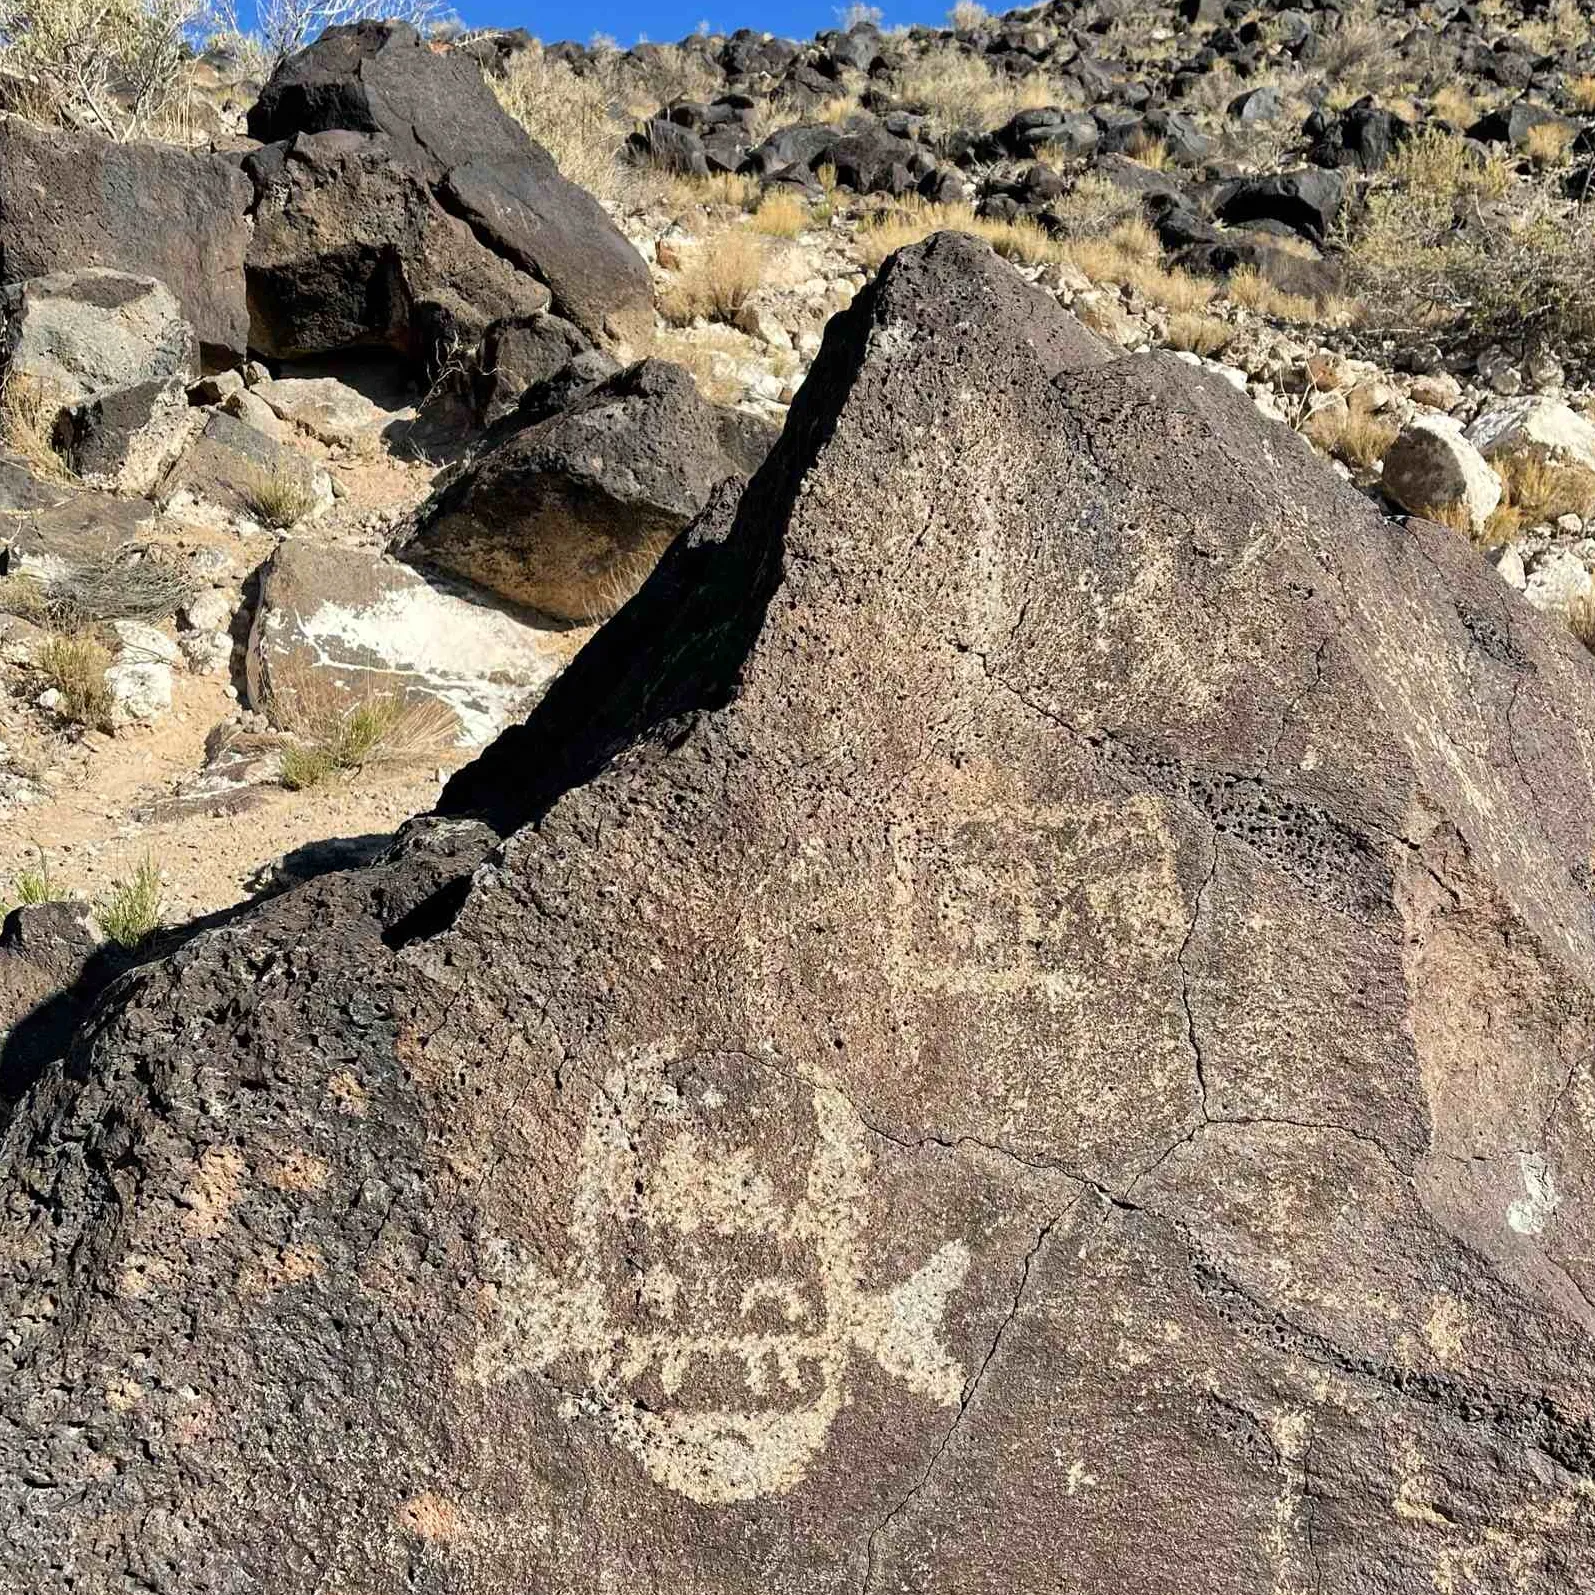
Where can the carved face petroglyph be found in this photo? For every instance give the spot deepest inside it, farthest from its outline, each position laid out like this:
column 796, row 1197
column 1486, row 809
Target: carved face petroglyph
column 712, row 1300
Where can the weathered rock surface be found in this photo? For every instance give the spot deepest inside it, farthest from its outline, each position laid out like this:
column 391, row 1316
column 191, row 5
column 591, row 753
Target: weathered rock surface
column 1432, row 469
column 232, row 465
column 569, row 514
column 71, row 200
column 1029, row 1029
column 336, row 628
column 78, row 333
column 434, row 117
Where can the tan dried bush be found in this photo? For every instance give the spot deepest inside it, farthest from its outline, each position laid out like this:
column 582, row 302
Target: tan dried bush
column 1195, row 333
column 960, row 91
column 75, row 667
column 29, row 409
column 1352, row 433
column 780, row 216
column 572, row 116
column 715, row 279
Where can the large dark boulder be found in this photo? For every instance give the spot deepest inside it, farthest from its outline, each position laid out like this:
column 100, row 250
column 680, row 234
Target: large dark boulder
column 74, row 200
column 443, row 126
column 351, row 249
column 1306, row 202
column 567, row 514
column 1022, row 1023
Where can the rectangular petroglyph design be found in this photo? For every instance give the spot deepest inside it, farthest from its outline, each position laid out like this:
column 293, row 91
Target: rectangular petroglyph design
column 709, row 1310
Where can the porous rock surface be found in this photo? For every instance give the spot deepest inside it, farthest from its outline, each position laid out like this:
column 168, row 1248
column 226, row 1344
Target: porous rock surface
column 569, row 512
column 1022, row 1022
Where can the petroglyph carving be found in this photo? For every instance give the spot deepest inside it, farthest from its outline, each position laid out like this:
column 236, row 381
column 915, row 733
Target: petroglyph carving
column 706, row 1266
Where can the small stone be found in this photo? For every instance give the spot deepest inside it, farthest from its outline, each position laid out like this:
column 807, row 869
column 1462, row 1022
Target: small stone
column 141, row 641
column 255, row 371
column 1499, row 372
column 1544, row 371
column 1509, row 567
column 141, row 689
column 1432, row 469
column 211, row 610
column 213, row 389
column 1438, row 390
column 1570, row 525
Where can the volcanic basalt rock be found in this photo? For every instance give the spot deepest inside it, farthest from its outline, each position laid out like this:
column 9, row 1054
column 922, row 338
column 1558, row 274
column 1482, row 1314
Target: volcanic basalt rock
column 1020, row 1019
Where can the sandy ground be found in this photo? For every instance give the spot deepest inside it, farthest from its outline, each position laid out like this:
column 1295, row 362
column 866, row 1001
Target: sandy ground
column 90, row 838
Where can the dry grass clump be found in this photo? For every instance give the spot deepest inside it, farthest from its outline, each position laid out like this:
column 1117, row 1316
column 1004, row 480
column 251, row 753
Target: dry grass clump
column 29, row 409
column 1353, row 433
column 1581, row 92
column 1358, row 58
column 279, row 499
column 1247, row 286
column 1454, row 105
column 780, row 216
column 26, row 597
column 1093, row 206
column 967, row 15
column 728, row 190
column 1581, row 619
column 570, row 115
column 1195, row 333
column 961, row 92
column 1535, row 489
column 131, row 912
column 715, row 279
column 913, row 219
column 1549, row 143
column 1131, row 256
column 32, row 884
column 75, row 667
column 1150, row 152
column 335, row 732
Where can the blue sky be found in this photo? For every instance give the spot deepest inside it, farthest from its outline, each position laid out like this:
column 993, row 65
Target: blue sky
column 667, row 20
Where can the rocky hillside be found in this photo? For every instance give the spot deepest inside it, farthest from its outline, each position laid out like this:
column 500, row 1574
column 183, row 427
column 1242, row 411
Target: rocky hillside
column 802, row 816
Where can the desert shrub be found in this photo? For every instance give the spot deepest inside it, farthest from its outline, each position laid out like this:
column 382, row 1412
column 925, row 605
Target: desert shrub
column 130, row 913
column 26, row 597
column 284, row 27
column 117, row 583
column 1198, row 334
column 1535, row 490
column 29, row 408
column 960, row 92
column 571, row 115
column 1149, row 152
column 1358, row 57
column 75, row 667
column 967, row 15
column 1453, row 104
column 1581, row 92
column 780, row 216
column 715, row 279
column 1454, row 240
column 279, row 499
column 118, row 66
column 1354, row 434
column 305, row 766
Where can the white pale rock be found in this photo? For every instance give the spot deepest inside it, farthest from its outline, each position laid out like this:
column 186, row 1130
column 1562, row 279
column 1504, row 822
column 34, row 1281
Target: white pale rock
column 141, row 642
column 211, row 610
column 141, row 689
column 324, row 407
column 1509, row 567
column 1432, row 468
column 1536, row 424
column 1557, row 581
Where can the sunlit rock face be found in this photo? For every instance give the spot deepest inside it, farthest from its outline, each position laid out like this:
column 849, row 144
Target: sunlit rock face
column 1020, row 1019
